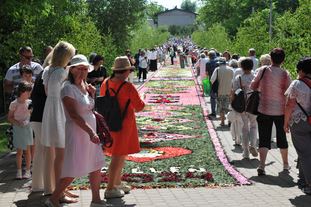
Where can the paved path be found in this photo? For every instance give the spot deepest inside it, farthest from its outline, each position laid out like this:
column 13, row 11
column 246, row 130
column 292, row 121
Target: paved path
column 274, row 190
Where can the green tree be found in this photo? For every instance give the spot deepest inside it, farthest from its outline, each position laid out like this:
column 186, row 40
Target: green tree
column 188, row 5
column 254, row 33
column 293, row 34
column 215, row 37
column 54, row 20
column 152, row 10
column 117, row 18
column 148, row 37
column 232, row 13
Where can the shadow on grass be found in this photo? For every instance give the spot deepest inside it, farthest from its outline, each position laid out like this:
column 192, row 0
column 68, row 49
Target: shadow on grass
column 301, row 201
column 283, row 180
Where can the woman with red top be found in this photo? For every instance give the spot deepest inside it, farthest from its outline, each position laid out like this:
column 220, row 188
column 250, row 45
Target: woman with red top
column 126, row 140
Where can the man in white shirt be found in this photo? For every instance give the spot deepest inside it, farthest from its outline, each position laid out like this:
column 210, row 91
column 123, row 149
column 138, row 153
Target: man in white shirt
column 252, row 55
column 12, row 76
column 142, row 67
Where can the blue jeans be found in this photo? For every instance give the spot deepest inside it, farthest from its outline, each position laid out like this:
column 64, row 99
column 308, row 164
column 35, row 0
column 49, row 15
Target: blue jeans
column 213, row 102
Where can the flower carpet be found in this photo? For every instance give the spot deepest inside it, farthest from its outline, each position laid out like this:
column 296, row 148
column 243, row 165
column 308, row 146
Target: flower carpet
column 179, row 147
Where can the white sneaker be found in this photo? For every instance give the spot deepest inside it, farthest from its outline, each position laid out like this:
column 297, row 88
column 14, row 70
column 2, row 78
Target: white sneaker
column 19, row 175
column 124, row 187
column 27, row 175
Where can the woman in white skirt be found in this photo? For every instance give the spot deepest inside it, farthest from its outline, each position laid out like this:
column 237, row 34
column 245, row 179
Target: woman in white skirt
column 53, row 121
column 83, row 154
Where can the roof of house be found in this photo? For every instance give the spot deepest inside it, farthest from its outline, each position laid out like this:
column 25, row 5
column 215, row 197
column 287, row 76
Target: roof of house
column 176, row 9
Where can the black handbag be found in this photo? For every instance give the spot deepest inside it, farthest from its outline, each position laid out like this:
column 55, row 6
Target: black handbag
column 238, row 102
column 252, row 101
column 215, row 84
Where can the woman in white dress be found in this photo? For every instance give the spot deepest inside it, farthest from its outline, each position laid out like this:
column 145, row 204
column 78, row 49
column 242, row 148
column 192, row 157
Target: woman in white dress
column 53, row 121
column 83, row 154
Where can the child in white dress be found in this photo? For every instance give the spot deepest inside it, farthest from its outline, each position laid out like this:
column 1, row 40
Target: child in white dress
column 19, row 115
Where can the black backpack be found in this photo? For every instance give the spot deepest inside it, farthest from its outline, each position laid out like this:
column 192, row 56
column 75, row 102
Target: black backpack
column 238, row 102
column 109, row 107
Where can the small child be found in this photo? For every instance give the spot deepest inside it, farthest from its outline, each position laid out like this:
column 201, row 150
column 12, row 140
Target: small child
column 19, row 115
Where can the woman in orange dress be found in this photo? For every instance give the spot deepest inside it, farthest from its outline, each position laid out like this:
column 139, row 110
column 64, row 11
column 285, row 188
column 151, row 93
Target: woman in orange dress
column 126, row 140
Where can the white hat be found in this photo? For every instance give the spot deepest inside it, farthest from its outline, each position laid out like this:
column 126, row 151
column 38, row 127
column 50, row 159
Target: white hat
column 80, row 60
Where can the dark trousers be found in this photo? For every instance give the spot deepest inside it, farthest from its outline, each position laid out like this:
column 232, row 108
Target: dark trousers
column 172, row 60
column 265, row 123
column 142, row 71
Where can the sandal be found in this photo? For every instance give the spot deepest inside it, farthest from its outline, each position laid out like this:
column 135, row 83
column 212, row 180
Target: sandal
column 66, row 199
column 70, row 194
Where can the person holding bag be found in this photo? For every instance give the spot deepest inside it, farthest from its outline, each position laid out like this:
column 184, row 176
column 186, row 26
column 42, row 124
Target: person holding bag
column 125, row 141
column 83, row 154
column 249, row 130
column 271, row 107
column 296, row 120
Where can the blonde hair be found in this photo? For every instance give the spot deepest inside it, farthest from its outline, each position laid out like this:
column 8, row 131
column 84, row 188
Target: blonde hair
column 265, row 60
column 47, row 60
column 62, row 54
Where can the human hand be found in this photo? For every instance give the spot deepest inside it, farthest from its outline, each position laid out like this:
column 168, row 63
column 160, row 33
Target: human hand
column 95, row 139
column 91, row 90
column 286, row 127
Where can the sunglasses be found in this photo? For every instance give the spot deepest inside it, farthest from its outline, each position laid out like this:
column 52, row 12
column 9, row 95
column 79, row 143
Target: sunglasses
column 27, row 57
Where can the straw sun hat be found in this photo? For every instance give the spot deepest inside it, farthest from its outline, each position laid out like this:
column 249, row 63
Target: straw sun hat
column 122, row 63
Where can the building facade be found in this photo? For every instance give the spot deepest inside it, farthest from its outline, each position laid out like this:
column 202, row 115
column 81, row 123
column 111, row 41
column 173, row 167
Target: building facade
column 175, row 17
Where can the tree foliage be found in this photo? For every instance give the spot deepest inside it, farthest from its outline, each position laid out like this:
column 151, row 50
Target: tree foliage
column 232, row 13
column 148, row 37
column 188, row 5
column 117, row 18
column 181, row 31
column 152, row 9
column 54, row 20
column 254, row 33
column 293, row 34
column 214, row 37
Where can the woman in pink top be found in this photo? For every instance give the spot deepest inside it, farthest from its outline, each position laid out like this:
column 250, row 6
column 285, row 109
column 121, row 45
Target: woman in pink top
column 272, row 86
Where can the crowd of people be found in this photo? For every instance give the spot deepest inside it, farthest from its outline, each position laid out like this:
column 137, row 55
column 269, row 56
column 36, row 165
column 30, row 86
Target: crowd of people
column 54, row 127
column 284, row 104
column 53, row 108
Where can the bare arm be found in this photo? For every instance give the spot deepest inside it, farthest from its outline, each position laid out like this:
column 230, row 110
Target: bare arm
column 71, row 107
column 12, row 120
column 289, row 108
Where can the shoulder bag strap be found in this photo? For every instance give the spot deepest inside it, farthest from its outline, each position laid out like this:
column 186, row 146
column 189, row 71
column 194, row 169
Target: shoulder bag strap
column 107, row 93
column 122, row 84
column 240, row 82
column 302, row 109
column 263, row 72
column 301, row 79
column 128, row 101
